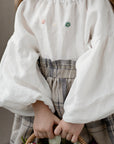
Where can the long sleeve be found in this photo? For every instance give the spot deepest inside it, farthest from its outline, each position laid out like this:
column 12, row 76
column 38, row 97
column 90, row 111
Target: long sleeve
column 91, row 96
column 21, row 82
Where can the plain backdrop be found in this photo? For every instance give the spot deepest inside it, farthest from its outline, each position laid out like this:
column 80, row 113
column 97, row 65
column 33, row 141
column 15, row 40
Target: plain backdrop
column 7, row 14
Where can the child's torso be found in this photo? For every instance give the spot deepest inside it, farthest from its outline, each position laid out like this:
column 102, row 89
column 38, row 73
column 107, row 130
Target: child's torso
column 59, row 28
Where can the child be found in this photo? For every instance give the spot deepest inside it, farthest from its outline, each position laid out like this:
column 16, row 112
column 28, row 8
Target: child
column 58, row 67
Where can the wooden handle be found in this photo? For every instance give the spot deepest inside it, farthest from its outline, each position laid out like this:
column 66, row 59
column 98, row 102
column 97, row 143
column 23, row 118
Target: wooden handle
column 81, row 140
column 32, row 137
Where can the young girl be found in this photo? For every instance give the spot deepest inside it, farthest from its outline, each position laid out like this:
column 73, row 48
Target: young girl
column 57, row 69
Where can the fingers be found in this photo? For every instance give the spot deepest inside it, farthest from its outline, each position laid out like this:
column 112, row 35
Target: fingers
column 74, row 139
column 42, row 135
column 66, row 131
column 56, row 120
column 58, row 130
column 64, row 134
column 51, row 134
column 36, row 134
column 69, row 136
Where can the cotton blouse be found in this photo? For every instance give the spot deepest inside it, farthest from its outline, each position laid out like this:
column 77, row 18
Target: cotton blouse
column 81, row 30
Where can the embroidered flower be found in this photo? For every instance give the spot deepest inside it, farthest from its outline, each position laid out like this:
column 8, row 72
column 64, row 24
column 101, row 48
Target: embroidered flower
column 68, row 24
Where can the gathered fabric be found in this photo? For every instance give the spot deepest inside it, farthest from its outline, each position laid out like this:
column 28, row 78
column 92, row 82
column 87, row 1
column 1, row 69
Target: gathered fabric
column 60, row 75
column 77, row 30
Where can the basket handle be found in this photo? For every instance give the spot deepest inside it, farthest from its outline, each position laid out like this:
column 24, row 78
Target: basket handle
column 32, row 137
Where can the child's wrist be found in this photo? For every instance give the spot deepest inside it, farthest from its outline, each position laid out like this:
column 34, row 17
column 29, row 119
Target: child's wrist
column 39, row 106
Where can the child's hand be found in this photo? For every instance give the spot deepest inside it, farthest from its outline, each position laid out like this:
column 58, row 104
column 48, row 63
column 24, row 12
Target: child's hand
column 69, row 131
column 44, row 121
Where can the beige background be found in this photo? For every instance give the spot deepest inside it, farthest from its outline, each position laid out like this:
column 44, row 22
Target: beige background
column 7, row 12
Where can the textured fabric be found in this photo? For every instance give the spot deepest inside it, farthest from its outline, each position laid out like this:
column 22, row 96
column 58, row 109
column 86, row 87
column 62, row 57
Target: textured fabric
column 81, row 30
column 22, row 127
column 60, row 76
column 110, row 126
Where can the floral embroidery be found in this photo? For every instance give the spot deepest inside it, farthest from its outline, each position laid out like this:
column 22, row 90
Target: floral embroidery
column 43, row 21
column 68, row 24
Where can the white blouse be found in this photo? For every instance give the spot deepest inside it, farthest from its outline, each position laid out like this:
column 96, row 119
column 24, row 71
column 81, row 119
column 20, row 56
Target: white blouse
column 40, row 30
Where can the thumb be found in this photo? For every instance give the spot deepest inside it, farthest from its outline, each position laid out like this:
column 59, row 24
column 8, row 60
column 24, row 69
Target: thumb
column 56, row 120
column 58, row 130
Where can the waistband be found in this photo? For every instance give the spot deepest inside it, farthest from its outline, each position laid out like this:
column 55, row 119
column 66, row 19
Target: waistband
column 57, row 68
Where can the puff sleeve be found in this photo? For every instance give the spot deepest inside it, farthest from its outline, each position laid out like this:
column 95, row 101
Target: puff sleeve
column 21, row 82
column 91, row 96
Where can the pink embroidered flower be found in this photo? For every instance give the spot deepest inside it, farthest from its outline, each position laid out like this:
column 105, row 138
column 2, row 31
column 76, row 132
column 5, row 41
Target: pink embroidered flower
column 43, row 21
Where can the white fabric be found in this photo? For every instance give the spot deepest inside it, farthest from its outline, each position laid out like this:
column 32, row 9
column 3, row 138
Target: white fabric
column 89, row 40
